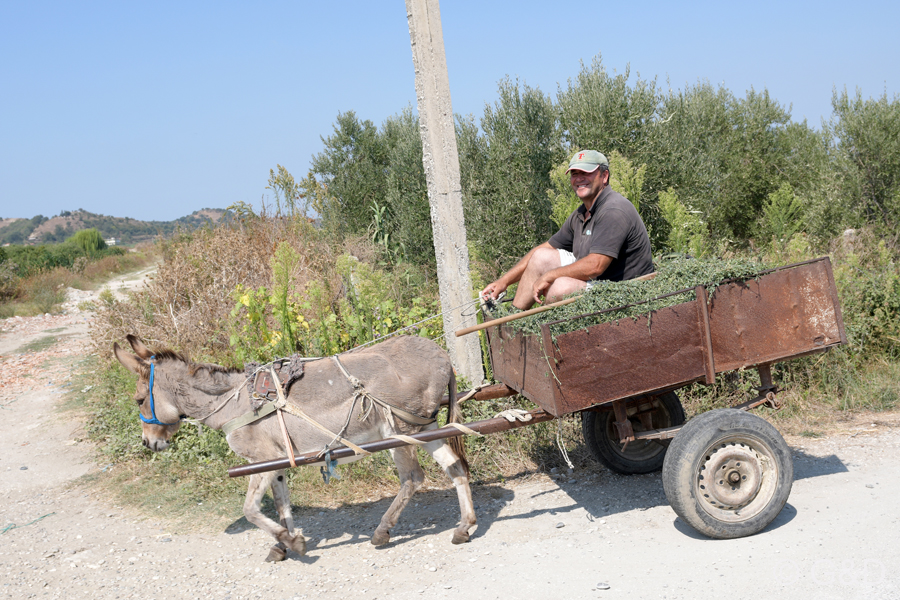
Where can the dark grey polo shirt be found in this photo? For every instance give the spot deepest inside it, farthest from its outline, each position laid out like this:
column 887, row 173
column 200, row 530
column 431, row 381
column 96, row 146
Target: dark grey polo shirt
column 614, row 228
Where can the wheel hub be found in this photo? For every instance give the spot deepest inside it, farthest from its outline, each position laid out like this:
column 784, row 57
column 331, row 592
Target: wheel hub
column 730, row 476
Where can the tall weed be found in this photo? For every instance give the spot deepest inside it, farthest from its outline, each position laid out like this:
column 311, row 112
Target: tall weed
column 273, row 323
column 867, row 274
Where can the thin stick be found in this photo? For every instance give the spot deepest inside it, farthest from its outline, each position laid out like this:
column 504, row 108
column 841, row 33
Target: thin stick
column 533, row 311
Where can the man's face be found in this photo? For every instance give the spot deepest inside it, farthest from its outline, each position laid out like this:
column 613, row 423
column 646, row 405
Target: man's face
column 588, row 185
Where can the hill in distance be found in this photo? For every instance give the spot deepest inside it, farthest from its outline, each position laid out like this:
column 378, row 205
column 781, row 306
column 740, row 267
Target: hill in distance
column 127, row 231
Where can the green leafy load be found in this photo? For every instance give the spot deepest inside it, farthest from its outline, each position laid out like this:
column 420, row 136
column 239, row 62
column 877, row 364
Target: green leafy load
column 673, row 274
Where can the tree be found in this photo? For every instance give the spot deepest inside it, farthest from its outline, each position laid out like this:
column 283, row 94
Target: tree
column 867, row 133
column 352, row 166
column 89, row 240
column 563, row 200
column 605, row 113
column 753, row 163
column 626, row 179
column 505, row 189
column 686, row 231
column 724, row 155
column 406, row 191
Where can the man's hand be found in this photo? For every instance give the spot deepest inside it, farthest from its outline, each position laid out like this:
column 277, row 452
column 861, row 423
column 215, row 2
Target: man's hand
column 493, row 290
column 541, row 286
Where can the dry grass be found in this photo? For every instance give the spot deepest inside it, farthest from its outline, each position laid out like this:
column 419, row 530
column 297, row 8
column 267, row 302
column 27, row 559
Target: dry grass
column 43, row 292
column 187, row 304
column 99, row 271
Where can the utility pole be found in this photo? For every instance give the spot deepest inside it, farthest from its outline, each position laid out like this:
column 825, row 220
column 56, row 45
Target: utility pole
column 441, row 159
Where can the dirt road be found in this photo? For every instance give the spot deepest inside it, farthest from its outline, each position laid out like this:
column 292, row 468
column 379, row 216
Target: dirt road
column 590, row 535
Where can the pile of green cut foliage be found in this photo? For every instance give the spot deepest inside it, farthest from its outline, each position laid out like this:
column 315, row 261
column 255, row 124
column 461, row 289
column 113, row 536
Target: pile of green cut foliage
column 635, row 298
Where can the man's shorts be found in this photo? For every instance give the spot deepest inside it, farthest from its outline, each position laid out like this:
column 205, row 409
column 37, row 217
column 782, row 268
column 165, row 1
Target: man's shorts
column 566, row 258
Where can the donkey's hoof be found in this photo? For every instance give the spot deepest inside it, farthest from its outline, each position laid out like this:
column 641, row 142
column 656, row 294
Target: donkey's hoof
column 276, row 554
column 380, row 538
column 298, row 545
column 460, row 538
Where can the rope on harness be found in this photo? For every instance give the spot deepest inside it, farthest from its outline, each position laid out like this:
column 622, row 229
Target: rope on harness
column 361, row 392
column 413, row 441
column 298, row 412
column 561, row 446
column 233, row 394
column 465, row 429
column 405, row 438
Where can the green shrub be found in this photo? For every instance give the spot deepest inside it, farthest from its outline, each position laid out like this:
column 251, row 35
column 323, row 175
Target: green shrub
column 9, row 279
column 782, row 217
column 868, row 280
column 687, row 231
column 563, row 200
column 266, row 324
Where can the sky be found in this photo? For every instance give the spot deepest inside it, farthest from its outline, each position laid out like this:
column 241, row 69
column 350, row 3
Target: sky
column 153, row 110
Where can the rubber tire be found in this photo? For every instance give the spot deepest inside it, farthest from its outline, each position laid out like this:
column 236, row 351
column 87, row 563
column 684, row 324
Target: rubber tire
column 601, row 438
column 701, row 447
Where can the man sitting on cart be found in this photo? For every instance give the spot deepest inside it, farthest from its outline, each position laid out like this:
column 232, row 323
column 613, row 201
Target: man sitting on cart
column 604, row 239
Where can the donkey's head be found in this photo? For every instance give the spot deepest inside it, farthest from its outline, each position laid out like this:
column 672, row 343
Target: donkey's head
column 157, row 403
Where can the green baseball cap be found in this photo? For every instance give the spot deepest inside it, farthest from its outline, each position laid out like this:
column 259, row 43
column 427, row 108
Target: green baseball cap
column 587, row 161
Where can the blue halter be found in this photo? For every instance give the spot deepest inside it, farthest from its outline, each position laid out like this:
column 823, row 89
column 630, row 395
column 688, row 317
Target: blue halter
column 154, row 420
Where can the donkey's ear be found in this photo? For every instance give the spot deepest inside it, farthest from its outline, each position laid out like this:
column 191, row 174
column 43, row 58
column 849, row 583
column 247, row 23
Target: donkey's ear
column 128, row 360
column 138, row 346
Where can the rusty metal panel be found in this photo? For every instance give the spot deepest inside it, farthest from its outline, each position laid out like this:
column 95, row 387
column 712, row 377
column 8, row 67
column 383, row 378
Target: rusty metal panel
column 784, row 314
column 610, row 361
column 519, row 362
column 788, row 312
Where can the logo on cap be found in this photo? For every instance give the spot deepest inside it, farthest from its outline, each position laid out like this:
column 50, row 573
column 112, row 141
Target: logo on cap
column 580, row 155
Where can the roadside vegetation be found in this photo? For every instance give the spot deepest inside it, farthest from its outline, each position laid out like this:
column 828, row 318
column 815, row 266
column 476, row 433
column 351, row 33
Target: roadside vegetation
column 34, row 279
column 714, row 175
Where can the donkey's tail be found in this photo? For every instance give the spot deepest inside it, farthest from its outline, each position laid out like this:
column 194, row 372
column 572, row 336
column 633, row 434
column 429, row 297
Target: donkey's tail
column 455, row 416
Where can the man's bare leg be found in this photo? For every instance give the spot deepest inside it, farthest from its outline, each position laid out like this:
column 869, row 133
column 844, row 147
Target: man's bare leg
column 563, row 286
column 543, row 260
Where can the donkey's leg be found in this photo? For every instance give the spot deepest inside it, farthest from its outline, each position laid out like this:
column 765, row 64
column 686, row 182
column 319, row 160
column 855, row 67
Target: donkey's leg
column 441, row 451
column 282, row 497
column 411, row 479
column 259, row 483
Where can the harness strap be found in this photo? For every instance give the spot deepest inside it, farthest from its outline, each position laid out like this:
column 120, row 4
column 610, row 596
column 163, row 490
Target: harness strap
column 298, row 412
column 287, row 439
column 464, row 429
column 407, row 439
column 288, row 446
column 404, row 415
column 250, row 417
column 414, row 441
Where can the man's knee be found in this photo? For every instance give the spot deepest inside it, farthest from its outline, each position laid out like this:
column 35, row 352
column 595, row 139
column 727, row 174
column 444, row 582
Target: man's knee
column 544, row 259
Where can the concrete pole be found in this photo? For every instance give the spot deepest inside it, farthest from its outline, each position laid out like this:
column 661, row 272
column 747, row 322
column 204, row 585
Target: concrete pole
column 441, row 159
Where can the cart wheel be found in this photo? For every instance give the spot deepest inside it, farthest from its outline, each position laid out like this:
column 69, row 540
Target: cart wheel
column 640, row 456
column 728, row 473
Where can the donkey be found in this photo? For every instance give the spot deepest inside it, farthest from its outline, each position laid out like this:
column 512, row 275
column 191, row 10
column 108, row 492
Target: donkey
column 410, row 373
